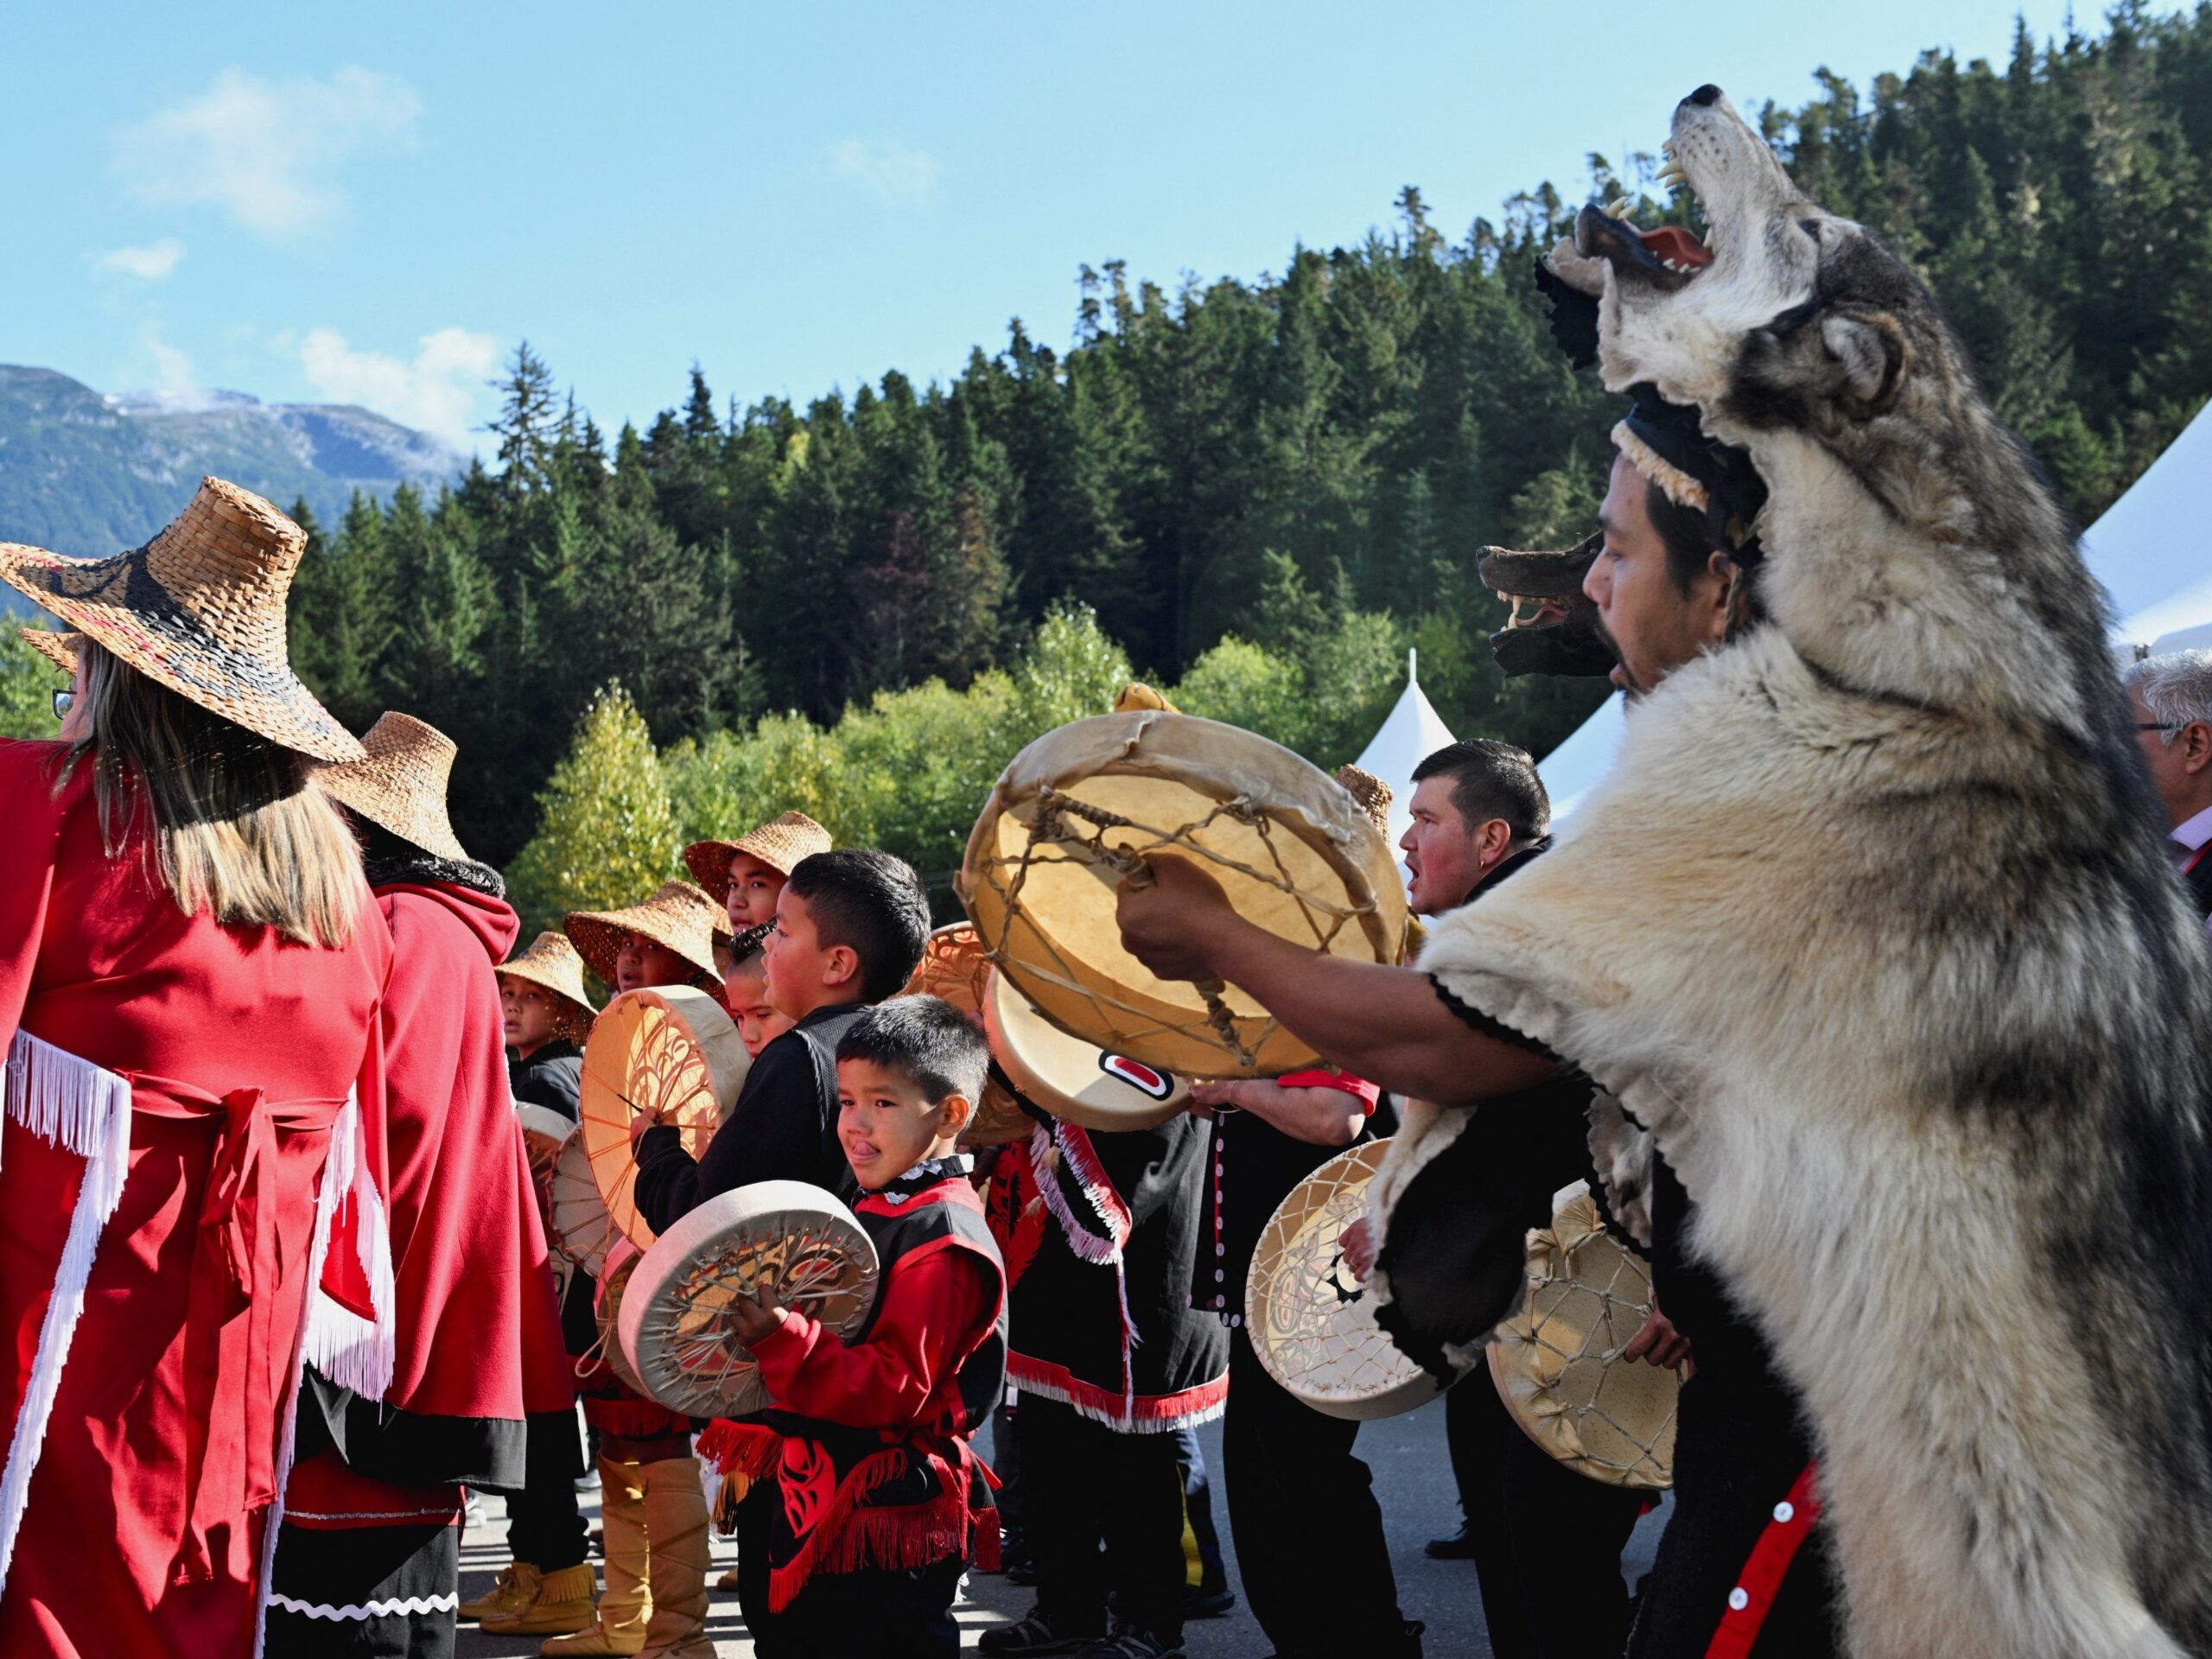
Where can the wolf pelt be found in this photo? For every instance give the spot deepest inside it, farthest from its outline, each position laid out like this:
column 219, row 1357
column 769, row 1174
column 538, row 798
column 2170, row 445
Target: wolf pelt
column 1871, row 927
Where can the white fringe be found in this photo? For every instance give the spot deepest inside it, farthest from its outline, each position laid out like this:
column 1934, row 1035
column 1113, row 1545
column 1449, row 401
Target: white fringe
column 73, row 1104
column 414, row 1606
column 353, row 1352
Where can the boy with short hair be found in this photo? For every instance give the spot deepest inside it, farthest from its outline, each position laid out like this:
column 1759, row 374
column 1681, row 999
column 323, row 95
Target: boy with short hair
column 849, row 929
column 745, row 993
column 881, row 1504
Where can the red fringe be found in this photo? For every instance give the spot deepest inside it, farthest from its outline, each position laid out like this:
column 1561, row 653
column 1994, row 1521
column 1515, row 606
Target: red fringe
column 749, row 1449
column 850, row 1538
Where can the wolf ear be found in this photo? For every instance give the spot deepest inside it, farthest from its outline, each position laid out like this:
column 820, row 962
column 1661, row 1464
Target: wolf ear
column 1869, row 348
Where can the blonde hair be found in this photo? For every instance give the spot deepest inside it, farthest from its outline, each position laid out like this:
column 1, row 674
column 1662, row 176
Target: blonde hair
column 238, row 830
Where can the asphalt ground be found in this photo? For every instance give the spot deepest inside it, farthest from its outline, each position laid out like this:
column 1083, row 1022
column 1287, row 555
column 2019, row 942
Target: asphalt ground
column 1413, row 1482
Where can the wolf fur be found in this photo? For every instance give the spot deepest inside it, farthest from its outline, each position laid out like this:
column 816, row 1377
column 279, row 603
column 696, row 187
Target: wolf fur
column 1872, row 928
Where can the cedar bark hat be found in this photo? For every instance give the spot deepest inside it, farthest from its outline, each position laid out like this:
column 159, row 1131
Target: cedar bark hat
column 399, row 783
column 779, row 844
column 59, row 649
column 679, row 917
column 1372, row 794
column 552, row 963
column 200, row 610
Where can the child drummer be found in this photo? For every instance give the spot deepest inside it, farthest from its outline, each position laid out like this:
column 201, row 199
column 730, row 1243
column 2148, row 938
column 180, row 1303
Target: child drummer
column 744, row 875
column 883, row 1505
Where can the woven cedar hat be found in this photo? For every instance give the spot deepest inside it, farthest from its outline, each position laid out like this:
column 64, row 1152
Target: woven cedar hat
column 679, row 916
column 399, row 783
column 1372, row 794
column 552, row 963
column 200, row 610
column 59, row 649
column 779, row 844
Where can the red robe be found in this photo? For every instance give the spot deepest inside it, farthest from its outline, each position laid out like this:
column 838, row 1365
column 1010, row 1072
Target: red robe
column 237, row 1051
column 480, row 1345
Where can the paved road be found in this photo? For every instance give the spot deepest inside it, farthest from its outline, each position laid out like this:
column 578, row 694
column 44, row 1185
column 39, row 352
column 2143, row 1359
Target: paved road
column 1412, row 1479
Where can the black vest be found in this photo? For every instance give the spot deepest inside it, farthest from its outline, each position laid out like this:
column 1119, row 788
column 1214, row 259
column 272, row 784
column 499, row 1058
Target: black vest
column 2198, row 881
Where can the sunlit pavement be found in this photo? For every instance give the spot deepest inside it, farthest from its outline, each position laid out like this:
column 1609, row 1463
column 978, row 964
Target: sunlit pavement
column 1413, row 1480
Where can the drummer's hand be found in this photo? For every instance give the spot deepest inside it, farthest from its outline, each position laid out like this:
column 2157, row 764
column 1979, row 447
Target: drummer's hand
column 1206, row 1097
column 1167, row 925
column 639, row 1123
column 756, row 1318
column 1658, row 1343
column 1358, row 1246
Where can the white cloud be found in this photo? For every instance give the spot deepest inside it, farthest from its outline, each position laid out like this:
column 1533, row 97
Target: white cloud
column 174, row 383
column 262, row 151
column 436, row 392
column 894, row 171
column 149, row 263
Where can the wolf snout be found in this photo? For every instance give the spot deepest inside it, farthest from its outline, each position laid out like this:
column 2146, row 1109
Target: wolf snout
column 1705, row 96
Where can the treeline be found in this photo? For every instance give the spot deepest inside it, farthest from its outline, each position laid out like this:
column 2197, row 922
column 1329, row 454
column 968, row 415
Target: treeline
column 1305, row 464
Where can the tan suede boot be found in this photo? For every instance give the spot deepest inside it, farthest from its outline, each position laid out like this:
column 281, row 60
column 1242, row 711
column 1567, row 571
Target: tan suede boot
column 626, row 1604
column 562, row 1602
column 513, row 1589
column 676, row 1515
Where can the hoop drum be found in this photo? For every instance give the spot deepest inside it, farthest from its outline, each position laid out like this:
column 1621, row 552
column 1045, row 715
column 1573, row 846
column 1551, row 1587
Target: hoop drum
column 1312, row 1323
column 622, row 1260
column 1070, row 1077
column 581, row 1229
column 955, row 968
column 1067, row 822
column 675, row 1331
column 671, row 1054
column 1557, row 1363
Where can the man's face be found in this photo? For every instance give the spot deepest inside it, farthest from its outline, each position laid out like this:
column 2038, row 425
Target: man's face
column 1653, row 627
column 751, row 896
column 2180, row 771
column 1445, row 857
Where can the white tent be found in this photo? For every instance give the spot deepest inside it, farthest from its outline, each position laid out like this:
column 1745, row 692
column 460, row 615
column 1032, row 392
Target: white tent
column 2149, row 549
column 1412, row 733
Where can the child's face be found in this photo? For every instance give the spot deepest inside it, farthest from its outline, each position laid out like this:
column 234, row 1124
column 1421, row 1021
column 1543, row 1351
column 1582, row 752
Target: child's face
column 745, row 994
column 887, row 1124
column 802, row 974
column 642, row 961
column 526, row 1014
column 751, row 896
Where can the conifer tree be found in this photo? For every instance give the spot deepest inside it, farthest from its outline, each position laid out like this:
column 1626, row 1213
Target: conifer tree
column 606, row 832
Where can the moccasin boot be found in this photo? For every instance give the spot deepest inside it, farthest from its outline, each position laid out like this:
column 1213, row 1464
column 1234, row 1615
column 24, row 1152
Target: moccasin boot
column 563, row 1602
column 513, row 1589
column 676, row 1516
column 619, row 1627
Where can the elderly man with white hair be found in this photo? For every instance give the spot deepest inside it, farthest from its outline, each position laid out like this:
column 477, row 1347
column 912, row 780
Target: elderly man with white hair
column 2172, row 695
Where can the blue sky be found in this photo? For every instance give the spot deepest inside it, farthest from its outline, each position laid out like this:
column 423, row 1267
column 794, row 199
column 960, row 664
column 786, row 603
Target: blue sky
column 372, row 203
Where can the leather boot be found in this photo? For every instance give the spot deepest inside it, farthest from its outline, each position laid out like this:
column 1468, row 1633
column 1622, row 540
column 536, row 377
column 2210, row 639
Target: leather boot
column 513, row 1589
column 676, row 1515
column 627, row 1606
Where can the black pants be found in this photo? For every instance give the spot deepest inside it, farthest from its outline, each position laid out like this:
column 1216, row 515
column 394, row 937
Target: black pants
column 346, row 1575
column 1198, row 1510
column 876, row 1612
column 546, row 1528
column 1290, row 1470
column 1086, row 1486
column 1522, row 1504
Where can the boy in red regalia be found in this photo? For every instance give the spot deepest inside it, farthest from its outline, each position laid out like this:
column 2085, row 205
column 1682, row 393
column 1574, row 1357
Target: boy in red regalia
column 881, row 1503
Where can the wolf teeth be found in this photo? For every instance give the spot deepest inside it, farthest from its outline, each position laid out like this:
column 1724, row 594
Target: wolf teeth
column 1672, row 174
column 1709, row 234
column 1618, row 208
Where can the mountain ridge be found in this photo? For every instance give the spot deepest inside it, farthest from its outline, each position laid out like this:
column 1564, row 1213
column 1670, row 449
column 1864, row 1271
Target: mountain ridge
column 87, row 473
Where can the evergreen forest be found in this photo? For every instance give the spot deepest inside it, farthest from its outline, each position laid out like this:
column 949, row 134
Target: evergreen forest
column 1257, row 494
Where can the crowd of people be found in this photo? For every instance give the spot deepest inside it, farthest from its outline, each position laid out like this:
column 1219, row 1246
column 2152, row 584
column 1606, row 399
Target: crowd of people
column 282, row 1295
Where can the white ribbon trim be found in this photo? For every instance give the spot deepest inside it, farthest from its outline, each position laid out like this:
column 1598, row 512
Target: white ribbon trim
column 356, row 1611
column 71, row 1103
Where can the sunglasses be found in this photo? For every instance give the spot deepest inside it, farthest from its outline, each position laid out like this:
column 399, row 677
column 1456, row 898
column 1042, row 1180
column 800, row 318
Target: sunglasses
column 62, row 700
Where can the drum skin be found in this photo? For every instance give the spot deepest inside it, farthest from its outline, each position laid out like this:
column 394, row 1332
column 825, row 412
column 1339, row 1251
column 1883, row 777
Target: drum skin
column 581, row 1229
column 1557, row 1363
column 1311, row 1322
column 955, row 968
column 1292, row 848
column 797, row 1239
column 673, row 1054
column 622, row 1259
column 1073, row 1079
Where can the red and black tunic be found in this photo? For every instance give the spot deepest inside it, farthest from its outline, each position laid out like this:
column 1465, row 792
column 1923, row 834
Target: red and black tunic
column 868, row 1445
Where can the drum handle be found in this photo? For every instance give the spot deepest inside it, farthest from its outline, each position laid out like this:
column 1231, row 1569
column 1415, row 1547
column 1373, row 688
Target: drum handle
column 1212, row 989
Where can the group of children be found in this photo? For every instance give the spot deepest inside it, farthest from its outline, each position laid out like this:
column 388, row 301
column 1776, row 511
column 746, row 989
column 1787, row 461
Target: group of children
column 1067, row 1267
